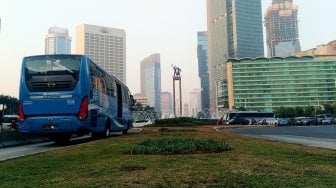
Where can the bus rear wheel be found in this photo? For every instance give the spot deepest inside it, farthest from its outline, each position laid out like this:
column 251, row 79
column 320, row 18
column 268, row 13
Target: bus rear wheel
column 61, row 139
column 125, row 131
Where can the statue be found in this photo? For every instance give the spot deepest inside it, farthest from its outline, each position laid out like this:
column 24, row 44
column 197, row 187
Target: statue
column 177, row 71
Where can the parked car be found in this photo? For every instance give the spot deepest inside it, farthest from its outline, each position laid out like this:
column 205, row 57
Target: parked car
column 261, row 122
column 271, row 121
column 327, row 119
column 292, row 122
column 282, row 121
column 305, row 121
column 10, row 122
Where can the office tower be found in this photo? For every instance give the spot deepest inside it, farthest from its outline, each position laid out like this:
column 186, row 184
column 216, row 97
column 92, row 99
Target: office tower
column 166, row 104
column 57, row 41
column 186, row 110
column 195, row 102
column 282, row 31
column 202, row 55
column 234, row 31
column 150, row 78
column 105, row 46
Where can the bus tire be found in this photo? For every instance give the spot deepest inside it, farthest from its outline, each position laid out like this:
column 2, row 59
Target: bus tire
column 107, row 129
column 125, row 131
column 62, row 139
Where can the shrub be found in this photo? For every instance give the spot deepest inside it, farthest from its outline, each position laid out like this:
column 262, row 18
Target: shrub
column 171, row 146
column 182, row 121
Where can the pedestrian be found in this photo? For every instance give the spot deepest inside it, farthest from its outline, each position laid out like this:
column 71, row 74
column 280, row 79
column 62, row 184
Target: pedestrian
column 220, row 121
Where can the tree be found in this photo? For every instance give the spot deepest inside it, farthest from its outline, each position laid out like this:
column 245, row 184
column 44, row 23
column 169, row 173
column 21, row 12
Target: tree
column 241, row 109
column 280, row 112
column 290, row 112
column 309, row 111
column 298, row 111
column 328, row 109
column 11, row 104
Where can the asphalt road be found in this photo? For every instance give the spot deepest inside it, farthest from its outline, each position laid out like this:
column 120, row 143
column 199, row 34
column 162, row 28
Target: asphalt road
column 30, row 149
column 19, row 151
column 317, row 136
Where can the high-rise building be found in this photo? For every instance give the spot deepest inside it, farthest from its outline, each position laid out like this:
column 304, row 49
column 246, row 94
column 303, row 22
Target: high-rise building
column 186, row 110
column 166, row 104
column 202, row 55
column 195, row 102
column 105, row 46
column 282, row 30
column 57, row 41
column 150, row 73
column 265, row 84
column 234, row 31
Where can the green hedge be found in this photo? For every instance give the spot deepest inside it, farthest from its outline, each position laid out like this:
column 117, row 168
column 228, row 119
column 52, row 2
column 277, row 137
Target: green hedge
column 175, row 145
column 183, row 121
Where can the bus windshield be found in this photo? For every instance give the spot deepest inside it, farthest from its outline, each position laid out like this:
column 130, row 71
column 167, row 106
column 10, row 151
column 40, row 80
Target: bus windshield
column 47, row 73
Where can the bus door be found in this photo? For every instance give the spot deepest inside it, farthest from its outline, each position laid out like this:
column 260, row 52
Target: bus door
column 119, row 101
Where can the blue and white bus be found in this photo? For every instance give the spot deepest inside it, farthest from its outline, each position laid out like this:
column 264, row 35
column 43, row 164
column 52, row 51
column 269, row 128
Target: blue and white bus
column 63, row 95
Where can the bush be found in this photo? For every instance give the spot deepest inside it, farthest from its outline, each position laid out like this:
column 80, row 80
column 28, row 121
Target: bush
column 182, row 121
column 171, row 146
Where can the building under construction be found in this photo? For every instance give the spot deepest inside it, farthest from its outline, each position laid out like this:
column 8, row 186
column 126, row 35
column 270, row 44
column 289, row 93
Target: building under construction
column 282, row 33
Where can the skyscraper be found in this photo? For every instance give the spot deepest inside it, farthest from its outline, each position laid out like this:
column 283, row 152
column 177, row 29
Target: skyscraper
column 186, row 110
column 105, row 46
column 166, row 104
column 282, row 32
column 234, row 31
column 202, row 55
column 57, row 41
column 195, row 103
column 150, row 73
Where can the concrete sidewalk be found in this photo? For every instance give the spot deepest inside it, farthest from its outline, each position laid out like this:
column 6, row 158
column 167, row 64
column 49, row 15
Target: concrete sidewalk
column 16, row 138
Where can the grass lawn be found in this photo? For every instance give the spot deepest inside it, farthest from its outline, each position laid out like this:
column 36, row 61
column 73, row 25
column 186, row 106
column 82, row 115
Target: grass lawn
column 107, row 163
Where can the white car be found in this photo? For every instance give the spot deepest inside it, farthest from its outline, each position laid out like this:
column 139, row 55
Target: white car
column 7, row 121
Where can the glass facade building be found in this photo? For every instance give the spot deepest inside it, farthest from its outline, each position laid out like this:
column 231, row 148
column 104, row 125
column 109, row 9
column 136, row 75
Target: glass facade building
column 166, row 104
column 202, row 55
column 57, row 41
column 235, row 30
column 264, row 84
column 150, row 73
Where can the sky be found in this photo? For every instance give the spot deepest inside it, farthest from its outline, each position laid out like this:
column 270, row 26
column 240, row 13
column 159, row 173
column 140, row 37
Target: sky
column 168, row 27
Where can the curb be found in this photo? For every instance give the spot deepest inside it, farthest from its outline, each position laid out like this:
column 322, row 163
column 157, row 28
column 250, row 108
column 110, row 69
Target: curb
column 17, row 138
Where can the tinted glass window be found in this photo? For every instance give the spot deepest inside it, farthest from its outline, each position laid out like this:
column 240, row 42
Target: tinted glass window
column 52, row 65
column 52, row 73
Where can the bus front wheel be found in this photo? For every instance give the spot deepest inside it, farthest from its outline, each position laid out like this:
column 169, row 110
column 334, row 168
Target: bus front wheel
column 107, row 130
